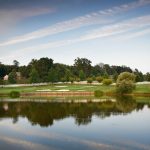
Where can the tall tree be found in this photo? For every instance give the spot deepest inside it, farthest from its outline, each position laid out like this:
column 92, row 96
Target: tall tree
column 12, row 78
column 82, row 75
column 3, row 70
column 43, row 65
column 83, row 64
column 138, row 76
column 34, row 76
column 68, row 75
column 148, row 76
column 52, row 75
column 16, row 65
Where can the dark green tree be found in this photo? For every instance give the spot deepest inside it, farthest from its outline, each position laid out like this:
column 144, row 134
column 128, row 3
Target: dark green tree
column 115, row 76
column 83, row 64
column 25, row 71
column 82, row 75
column 3, row 70
column 43, row 65
column 147, row 76
column 52, row 75
column 16, row 63
column 98, row 70
column 12, row 78
column 61, row 70
column 34, row 76
column 105, row 76
column 68, row 75
column 138, row 76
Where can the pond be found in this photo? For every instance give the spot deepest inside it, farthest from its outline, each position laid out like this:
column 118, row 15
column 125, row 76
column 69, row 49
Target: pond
column 44, row 125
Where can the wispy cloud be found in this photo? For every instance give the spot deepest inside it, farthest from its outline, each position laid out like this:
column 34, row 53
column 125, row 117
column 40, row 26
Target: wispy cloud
column 107, row 31
column 9, row 17
column 132, row 35
column 118, row 28
column 99, row 17
column 132, row 28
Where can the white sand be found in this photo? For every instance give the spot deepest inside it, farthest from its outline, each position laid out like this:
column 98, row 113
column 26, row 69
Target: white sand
column 63, row 90
column 61, row 86
column 44, row 90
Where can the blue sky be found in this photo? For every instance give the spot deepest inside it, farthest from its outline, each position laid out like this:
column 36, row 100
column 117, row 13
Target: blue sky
column 115, row 32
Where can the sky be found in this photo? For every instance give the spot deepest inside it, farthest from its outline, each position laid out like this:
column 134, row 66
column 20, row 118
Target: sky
column 115, row 32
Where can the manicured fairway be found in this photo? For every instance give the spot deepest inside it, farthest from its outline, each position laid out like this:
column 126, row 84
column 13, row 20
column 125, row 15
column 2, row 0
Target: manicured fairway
column 72, row 87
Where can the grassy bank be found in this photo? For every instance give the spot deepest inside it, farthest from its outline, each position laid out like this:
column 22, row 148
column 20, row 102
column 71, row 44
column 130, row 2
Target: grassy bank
column 71, row 87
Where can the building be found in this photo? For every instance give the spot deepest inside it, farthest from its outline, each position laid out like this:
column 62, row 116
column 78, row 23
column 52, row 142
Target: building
column 5, row 77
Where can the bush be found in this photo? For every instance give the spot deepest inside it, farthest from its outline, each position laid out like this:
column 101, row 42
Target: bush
column 14, row 94
column 71, row 79
column 78, row 79
column 107, row 81
column 89, row 80
column 63, row 79
column 98, row 93
column 99, row 79
column 93, row 78
column 125, row 83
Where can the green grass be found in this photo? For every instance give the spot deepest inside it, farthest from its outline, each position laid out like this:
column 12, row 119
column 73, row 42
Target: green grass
column 73, row 87
column 54, row 88
column 143, row 88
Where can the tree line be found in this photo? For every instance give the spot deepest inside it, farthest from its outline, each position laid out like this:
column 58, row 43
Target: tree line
column 45, row 70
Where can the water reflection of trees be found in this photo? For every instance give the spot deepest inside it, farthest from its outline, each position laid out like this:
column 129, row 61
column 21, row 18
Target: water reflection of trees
column 126, row 104
column 45, row 113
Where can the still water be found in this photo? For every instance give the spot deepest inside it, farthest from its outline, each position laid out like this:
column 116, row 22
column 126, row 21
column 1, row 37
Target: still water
column 111, row 125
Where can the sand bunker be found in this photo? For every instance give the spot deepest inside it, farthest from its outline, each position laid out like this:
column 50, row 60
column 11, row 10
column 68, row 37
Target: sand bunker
column 63, row 90
column 44, row 90
column 61, row 86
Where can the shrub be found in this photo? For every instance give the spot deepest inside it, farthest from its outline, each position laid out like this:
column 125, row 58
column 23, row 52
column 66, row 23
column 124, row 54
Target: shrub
column 93, row 78
column 89, row 80
column 78, row 79
column 99, row 79
column 98, row 93
column 71, row 79
column 125, row 83
column 14, row 94
column 107, row 81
